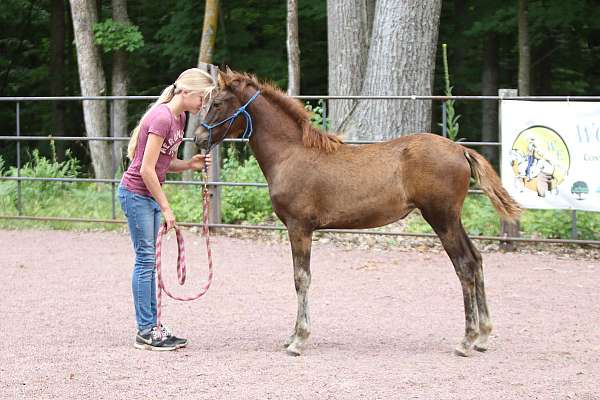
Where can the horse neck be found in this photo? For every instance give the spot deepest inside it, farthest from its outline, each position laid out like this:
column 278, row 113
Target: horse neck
column 275, row 135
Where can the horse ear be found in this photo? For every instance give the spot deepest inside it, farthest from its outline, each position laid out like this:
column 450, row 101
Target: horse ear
column 228, row 70
column 221, row 79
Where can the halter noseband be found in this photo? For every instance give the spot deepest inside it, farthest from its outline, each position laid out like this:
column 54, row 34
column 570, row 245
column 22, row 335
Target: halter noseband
column 242, row 110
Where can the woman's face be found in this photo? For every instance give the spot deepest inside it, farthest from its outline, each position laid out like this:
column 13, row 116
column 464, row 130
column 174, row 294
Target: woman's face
column 193, row 101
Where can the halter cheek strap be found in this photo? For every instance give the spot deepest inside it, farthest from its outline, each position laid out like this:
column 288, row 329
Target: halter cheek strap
column 242, row 110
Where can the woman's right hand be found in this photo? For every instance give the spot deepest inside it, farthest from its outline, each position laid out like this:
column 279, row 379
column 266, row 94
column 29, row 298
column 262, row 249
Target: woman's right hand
column 169, row 218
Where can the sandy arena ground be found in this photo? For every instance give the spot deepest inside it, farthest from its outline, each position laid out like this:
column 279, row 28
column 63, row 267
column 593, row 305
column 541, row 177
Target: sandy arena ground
column 384, row 324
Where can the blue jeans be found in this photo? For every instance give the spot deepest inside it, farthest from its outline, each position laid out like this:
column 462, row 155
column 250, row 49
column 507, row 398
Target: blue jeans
column 143, row 217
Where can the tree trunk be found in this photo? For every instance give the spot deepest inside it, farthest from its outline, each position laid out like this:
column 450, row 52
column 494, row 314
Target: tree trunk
column 92, row 83
column 489, row 87
column 57, row 71
column 401, row 62
column 348, row 45
column 207, row 46
column 209, row 32
column 293, row 49
column 120, row 82
column 524, row 51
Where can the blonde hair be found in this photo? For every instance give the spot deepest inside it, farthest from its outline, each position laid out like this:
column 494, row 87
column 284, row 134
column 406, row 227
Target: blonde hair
column 193, row 79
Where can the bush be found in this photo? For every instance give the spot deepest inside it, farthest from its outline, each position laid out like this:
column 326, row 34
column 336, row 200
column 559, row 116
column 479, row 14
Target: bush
column 243, row 204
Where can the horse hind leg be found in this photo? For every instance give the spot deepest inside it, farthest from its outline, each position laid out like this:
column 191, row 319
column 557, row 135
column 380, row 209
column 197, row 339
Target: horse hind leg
column 485, row 323
column 456, row 243
column 301, row 241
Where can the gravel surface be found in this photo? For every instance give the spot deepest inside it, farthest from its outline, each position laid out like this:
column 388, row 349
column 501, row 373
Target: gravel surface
column 385, row 321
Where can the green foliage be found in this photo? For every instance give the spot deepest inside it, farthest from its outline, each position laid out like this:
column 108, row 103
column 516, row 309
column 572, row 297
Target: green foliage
column 557, row 224
column 53, row 199
column 243, row 204
column 40, row 167
column 186, row 202
column 451, row 117
column 316, row 114
column 480, row 219
column 115, row 35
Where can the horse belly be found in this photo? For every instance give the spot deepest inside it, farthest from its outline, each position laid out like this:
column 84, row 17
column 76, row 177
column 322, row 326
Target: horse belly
column 371, row 212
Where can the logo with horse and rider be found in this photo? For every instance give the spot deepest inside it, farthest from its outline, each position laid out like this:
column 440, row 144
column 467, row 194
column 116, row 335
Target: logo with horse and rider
column 540, row 160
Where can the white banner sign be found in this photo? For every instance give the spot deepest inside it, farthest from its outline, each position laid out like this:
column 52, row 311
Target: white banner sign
column 551, row 153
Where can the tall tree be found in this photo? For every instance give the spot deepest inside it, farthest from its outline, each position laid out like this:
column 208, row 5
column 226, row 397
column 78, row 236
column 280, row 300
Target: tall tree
column 524, row 50
column 401, row 61
column 92, row 83
column 120, row 82
column 205, row 56
column 293, row 49
column 348, row 29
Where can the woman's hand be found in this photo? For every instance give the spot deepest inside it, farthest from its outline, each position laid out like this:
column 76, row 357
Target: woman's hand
column 169, row 218
column 198, row 161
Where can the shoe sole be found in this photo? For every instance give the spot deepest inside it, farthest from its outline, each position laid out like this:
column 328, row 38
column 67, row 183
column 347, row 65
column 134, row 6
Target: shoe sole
column 142, row 346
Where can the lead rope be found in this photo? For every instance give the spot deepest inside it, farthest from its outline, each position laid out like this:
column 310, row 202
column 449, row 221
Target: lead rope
column 181, row 268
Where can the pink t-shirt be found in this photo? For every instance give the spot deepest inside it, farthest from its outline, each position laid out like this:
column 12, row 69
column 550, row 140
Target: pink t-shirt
column 160, row 121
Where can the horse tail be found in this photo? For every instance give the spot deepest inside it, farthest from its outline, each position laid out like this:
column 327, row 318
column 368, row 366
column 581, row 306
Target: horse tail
column 490, row 183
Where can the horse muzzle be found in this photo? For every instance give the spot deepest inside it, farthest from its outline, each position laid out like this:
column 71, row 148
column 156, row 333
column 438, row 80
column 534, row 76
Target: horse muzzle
column 201, row 138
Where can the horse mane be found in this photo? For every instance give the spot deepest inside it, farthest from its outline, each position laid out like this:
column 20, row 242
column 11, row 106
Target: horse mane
column 311, row 137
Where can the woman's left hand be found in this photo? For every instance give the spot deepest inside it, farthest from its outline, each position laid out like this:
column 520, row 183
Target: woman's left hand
column 198, row 161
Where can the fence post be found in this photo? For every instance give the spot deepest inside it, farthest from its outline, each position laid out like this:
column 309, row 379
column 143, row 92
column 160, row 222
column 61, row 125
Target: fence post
column 113, row 155
column 214, row 216
column 19, row 206
column 214, row 175
column 509, row 229
column 324, row 115
column 444, row 117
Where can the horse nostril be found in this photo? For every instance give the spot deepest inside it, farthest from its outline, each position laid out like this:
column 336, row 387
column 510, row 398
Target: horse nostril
column 201, row 137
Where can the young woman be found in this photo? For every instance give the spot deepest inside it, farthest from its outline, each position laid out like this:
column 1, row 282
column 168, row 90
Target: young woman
column 153, row 152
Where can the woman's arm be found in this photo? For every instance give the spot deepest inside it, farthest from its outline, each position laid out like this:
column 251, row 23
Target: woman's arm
column 196, row 163
column 178, row 165
column 148, row 173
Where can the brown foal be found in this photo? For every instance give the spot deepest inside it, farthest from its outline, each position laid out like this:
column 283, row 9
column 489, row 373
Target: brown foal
column 316, row 181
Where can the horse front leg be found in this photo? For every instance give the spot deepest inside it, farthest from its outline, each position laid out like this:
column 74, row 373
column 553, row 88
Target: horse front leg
column 301, row 241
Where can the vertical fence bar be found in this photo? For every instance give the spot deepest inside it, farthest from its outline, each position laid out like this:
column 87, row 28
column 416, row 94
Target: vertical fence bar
column 19, row 206
column 573, row 224
column 113, row 155
column 444, row 116
column 510, row 229
column 214, row 174
column 324, row 115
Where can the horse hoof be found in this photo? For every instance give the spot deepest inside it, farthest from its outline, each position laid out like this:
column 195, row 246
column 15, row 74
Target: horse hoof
column 461, row 351
column 481, row 347
column 293, row 351
column 481, row 344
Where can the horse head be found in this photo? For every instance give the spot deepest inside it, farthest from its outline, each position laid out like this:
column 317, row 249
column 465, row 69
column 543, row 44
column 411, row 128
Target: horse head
column 226, row 115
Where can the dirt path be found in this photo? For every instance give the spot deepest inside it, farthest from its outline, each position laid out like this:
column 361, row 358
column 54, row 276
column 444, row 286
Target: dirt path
column 384, row 324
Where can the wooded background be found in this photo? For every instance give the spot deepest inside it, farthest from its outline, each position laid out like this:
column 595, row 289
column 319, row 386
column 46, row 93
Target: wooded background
column 383, row 47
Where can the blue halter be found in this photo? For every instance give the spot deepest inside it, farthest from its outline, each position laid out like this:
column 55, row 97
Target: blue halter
column 242, row 110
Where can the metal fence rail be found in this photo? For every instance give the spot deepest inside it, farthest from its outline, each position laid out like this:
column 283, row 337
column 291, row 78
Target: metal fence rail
column 18, row 138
